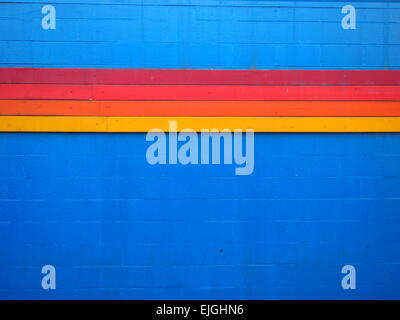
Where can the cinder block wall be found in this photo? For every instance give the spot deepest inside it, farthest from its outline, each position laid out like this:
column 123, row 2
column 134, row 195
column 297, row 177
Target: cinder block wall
column 204, row 34
column 116, row 227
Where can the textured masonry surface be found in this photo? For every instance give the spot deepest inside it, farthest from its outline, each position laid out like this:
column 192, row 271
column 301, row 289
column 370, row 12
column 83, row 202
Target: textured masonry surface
column 116, row 227
column 201, row 34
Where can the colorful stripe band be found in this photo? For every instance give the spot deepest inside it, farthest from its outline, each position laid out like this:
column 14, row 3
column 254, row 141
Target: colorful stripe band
column 144, row 124
column 201, row 108
column 107, row 100
column 197, row 93
column 200, row 77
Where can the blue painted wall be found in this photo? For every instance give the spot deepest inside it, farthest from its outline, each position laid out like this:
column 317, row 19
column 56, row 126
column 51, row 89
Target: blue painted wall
column 116, row 227
column 201, row 34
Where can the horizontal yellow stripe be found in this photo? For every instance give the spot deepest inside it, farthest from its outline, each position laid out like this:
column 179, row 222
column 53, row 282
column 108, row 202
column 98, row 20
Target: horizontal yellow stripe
column 144, row 124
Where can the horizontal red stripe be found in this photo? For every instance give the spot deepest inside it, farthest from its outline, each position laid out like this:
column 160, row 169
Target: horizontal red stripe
column 211, row 77
column 184, row 92
column 201, row 108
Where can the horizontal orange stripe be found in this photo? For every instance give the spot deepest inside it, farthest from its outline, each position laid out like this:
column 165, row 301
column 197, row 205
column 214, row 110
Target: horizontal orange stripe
column 200, row 108
column 202, row 92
